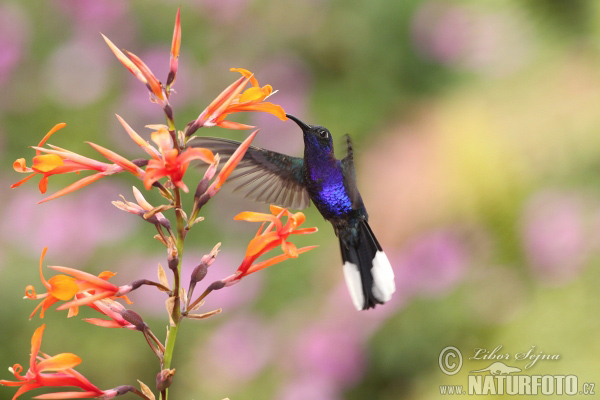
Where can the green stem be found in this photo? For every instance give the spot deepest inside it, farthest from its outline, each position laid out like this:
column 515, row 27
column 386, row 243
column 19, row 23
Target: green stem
column 173, row 132
column 170, row 346
column 171, row 124
column 173, row 330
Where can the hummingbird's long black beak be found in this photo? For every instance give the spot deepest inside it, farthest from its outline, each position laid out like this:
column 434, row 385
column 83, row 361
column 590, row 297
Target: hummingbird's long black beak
column 301, row 124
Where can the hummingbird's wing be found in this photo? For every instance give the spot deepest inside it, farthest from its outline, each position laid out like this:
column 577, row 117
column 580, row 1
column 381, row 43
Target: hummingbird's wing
column 263, row 175
column 350, row 176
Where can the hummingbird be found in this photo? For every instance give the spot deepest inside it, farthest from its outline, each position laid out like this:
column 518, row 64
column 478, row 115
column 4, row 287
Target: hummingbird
column 293, row 182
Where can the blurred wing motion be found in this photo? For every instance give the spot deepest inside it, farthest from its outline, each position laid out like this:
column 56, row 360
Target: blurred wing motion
column 350, row 176
column 263, row 175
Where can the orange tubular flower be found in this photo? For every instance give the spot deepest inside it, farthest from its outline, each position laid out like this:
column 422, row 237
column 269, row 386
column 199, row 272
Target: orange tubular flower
column 60, row 161
column 232, row 100
column 175, row 45
column 60, row 287
column 171, row 162
column 274, row 235
column 230, row 165
column 141, row 71
column 114, row 311
column 53, row 372
column 65, row 288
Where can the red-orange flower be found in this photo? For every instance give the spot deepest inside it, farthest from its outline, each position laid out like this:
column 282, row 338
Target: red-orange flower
column 274, row 235
column 175, row 45
column 141, row 71
column 56, row 371
column 230, row 165
column 171, row 162
column 159, row 94
column 114, row 311
column 65, row 288
column 232, row 100
column 60, row 161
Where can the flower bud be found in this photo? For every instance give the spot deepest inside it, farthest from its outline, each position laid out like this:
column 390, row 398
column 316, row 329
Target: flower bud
column 121, row 390
column 202, row 200
column 164, row 379
column 216, row 285
column 140, row 162
column 191, row 128
column 173, row 261
column 164, row 222
column 168, row 111
column 205, row 182
column 199, row 272
column 134, row 319
column 210, row 257
column 201, row 189
column 152, row 219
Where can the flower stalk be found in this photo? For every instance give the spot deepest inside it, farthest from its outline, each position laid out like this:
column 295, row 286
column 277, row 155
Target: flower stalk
column 164, row 169
column 176, row 313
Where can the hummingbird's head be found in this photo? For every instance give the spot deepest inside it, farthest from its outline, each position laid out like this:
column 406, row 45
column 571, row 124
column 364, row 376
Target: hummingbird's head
column 315, row 136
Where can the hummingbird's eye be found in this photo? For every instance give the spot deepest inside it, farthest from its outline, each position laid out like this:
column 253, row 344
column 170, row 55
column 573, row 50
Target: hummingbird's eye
column 322, row 133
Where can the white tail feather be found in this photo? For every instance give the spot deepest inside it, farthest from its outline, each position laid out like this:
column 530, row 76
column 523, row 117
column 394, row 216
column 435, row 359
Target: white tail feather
column 354, row 283
column 383, row 277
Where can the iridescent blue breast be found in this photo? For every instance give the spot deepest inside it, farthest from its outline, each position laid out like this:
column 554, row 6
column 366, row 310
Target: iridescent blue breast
column 328, row 192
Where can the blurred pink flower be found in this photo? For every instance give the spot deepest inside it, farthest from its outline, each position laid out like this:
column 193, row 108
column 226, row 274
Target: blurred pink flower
column 329, row 355
column 339, row 307
column 311, row 387
column 555, row 236
column 92, row 15
column 431, row 264
column 495, row 42
column 76, row 73
column 235, row 298
column 225, row 11
column 15, row 29
column 237, row 351
column 334, row 353
column 441, row 31
column 84, row 218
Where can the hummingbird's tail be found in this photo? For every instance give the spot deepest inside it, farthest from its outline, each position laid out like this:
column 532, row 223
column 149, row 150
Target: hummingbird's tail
column 367, row 270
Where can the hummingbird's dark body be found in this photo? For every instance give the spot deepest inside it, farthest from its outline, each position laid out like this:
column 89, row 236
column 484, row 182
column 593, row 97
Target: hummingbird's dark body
column 290, row 182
